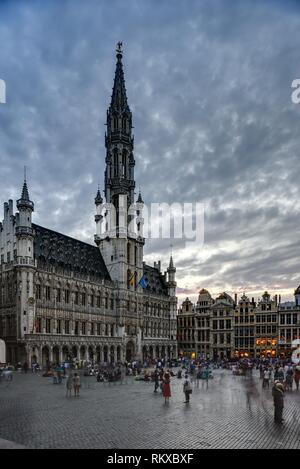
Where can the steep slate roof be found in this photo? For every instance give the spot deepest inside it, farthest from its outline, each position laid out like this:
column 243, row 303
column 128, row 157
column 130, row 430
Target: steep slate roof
column 52, row 248
column 155, row 280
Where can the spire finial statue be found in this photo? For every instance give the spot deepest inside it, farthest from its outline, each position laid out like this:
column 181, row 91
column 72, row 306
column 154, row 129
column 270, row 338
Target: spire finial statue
column 119, row 49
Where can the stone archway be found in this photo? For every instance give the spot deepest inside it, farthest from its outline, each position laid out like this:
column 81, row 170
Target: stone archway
column 145, row 353
column 34, row 354
column 98, row 354
column 55, row 354
column 151, row 351
column 157, row 353
column 82, row 352
column 105, row 354
column 91, row 353
column 129, row 351
column 65, row 353
column 45, row 356
column 118, row 353
column 112, row 354
column 74, row 351
column 34, row 357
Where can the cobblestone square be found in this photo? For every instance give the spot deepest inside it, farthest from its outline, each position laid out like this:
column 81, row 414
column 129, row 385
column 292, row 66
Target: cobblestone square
column 233, row 412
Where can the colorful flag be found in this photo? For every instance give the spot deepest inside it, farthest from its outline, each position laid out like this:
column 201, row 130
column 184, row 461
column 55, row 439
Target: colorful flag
column 143, row 282
column 131, row 279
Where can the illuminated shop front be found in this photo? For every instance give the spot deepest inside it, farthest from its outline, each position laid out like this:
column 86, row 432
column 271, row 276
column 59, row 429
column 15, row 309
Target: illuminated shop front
column 266, row 347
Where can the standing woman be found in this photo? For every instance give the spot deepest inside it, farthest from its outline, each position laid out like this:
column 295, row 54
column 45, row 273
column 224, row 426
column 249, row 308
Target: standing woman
column 187, row 389
column 166, row 386
column 76, row 384
column 69, row 385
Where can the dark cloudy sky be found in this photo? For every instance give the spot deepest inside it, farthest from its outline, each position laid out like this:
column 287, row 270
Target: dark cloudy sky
column 209, row 85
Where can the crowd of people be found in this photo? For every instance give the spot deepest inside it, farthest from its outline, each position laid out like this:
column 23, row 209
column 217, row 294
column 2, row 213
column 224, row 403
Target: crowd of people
column 283, row 375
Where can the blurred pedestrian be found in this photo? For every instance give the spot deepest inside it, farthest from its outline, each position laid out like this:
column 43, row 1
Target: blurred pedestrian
column 266, row 378
column 156, row 380
column 187, row 389
column 69, row 385
column 76, row 384
column 198, row 376
column 278, row 395
column 166, row 386
column 297, row 376
column 289, row 379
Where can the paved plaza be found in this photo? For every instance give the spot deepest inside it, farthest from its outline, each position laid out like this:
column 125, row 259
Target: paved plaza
column 234, row 412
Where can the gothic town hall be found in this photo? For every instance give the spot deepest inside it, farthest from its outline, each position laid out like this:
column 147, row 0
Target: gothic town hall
column 63, row 299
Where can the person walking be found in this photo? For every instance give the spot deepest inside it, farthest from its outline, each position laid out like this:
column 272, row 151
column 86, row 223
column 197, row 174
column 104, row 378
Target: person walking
column 76, row 384
column 297, row 376
column 278, row 395
column 280, row 375
column 198, row 375
column 156, row 380
column 166, row 386
column 187, row 389
column 289, row 377
column 205, row 376
column 266, row 379
column 261, row 371
column 69, row 385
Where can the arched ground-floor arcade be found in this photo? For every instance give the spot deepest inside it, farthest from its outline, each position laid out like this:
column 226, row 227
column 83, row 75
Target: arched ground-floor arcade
column 46, row 350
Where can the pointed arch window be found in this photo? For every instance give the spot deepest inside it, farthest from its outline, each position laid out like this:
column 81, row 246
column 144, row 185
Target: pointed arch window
column 128, row 253
column 135, row 255
column 124, row 164
column 116, row 162
column 115, row 118
column 128, row 278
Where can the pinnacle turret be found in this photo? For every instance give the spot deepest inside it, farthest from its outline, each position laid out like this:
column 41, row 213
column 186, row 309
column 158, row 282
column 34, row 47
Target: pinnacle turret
column 24, row 201
column 139, row 199
column 98, row 198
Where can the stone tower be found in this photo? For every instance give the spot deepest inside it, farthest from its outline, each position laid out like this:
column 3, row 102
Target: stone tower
column 119, row 220
column 173, row 298
column 25, row 262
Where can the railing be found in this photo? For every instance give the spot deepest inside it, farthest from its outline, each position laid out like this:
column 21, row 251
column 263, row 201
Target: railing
column 41, row 336
column 24, row 230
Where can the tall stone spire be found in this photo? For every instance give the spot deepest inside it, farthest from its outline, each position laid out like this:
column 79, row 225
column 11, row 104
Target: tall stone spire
column 119, row 172
column 25, row 194
column 171, row 264
column 119, row 97
column 24, row 201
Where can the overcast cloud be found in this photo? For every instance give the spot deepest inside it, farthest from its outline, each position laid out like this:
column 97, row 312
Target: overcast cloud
column 209, row 85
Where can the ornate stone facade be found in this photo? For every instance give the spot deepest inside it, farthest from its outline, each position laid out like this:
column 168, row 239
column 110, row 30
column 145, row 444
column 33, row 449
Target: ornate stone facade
column 61, row 298
column 224, row 328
